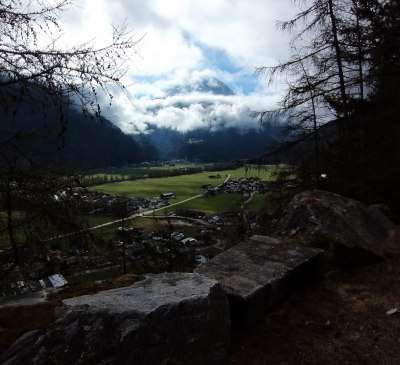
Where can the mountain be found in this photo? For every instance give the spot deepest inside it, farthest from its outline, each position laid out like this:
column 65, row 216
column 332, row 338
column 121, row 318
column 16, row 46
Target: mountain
column 211, row 85
column 204, row 145
column 84, row 141
column 221, row 142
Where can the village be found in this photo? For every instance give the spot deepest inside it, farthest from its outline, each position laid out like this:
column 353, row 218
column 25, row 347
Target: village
column 185, row 238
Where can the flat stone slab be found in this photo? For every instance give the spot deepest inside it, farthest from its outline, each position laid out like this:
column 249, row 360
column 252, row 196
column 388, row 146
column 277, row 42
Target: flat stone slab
column 170, row 318
column 256, row 274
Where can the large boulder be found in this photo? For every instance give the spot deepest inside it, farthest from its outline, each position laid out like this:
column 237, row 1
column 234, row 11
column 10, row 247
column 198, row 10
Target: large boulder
column 166, row 319
column 258, row 273
column 348, row 229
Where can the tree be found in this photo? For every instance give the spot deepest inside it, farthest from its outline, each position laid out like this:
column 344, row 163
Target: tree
column 343, row 71
column 40, row 76
column 78, row 73
column 120, row 210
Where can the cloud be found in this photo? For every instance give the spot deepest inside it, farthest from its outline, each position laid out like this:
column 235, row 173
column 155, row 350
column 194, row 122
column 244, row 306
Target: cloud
column 188, row 110
column 185, row 43
column 176, row 31
column 245, row 29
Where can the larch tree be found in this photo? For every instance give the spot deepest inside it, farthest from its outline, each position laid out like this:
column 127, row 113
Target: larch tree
column 320, row 73
column 343, row 73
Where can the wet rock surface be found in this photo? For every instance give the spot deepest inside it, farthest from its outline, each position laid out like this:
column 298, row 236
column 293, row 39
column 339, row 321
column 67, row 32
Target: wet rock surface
column 172, row 318
column 343, row 226
column 258, row 273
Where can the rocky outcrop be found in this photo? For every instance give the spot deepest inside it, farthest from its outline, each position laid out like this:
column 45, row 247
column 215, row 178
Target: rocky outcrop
column 258, row 273
column 165, row 319
column 343, row 226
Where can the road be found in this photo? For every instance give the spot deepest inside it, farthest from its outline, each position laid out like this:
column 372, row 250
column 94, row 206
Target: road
column 247, row 201
column 136, row 215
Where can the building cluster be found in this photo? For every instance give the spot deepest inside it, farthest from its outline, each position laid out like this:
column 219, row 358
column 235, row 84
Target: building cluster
column 134, row 244
column 245, row 185
column 102, row 203
column 141, row 244
column 249, row 185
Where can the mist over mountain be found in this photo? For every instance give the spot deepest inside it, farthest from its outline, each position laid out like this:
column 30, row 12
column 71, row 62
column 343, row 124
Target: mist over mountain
column 185, row 101
column 216, row 137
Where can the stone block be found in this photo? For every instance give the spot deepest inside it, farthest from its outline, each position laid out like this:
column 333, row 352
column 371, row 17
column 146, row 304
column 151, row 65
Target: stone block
column 172, row 318
column 258, row 273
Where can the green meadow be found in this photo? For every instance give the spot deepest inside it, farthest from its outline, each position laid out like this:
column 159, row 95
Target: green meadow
column 219, row 204
column 262, row 172
column 187, row 186
column 184, row 186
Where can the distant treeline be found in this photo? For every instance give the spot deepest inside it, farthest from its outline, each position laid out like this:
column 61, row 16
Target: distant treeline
column 106, row 179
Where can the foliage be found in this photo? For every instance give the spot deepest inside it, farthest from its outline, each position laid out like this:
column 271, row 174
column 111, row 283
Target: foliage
column 28, row 63
column 36, row 73
column 341, row 100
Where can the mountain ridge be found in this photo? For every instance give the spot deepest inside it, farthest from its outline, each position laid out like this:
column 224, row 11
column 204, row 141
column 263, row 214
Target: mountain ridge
column 77, row 140
column 211, row 85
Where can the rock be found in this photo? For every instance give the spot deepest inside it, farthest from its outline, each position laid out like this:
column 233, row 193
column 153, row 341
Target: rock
column 258, row 273
column 265, row 239
column 172, row 318
column 393, row 311
column 350, row 230
column 384, row 209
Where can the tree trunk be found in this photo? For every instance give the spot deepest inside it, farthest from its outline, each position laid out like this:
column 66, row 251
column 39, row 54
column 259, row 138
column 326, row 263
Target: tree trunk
column 10, row 227
column 336, row 45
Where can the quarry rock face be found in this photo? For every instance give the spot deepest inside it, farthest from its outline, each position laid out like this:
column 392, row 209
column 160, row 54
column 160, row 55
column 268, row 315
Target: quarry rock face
column 172, row 318
column 346, row 227
column 258, row 273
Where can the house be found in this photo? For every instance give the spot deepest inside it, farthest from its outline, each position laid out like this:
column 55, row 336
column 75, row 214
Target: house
column 189, row 241
column 167, row 196
column 177, row 236
column 53, row 281
column 215, row 220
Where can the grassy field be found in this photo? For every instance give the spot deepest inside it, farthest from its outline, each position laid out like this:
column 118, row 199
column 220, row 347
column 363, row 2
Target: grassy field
column 187, row 186
column 263, row 172
column 219, row 204
column 183, row 187
column 258, row 204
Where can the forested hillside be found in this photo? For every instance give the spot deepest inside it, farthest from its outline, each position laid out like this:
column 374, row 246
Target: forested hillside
column 203, row 144
column 84, row 140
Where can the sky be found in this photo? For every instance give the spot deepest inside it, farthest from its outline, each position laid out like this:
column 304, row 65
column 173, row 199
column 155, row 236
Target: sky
column 185, row 42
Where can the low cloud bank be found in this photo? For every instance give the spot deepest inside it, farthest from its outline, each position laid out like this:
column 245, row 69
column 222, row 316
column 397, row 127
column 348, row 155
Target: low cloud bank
column 190, row 101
